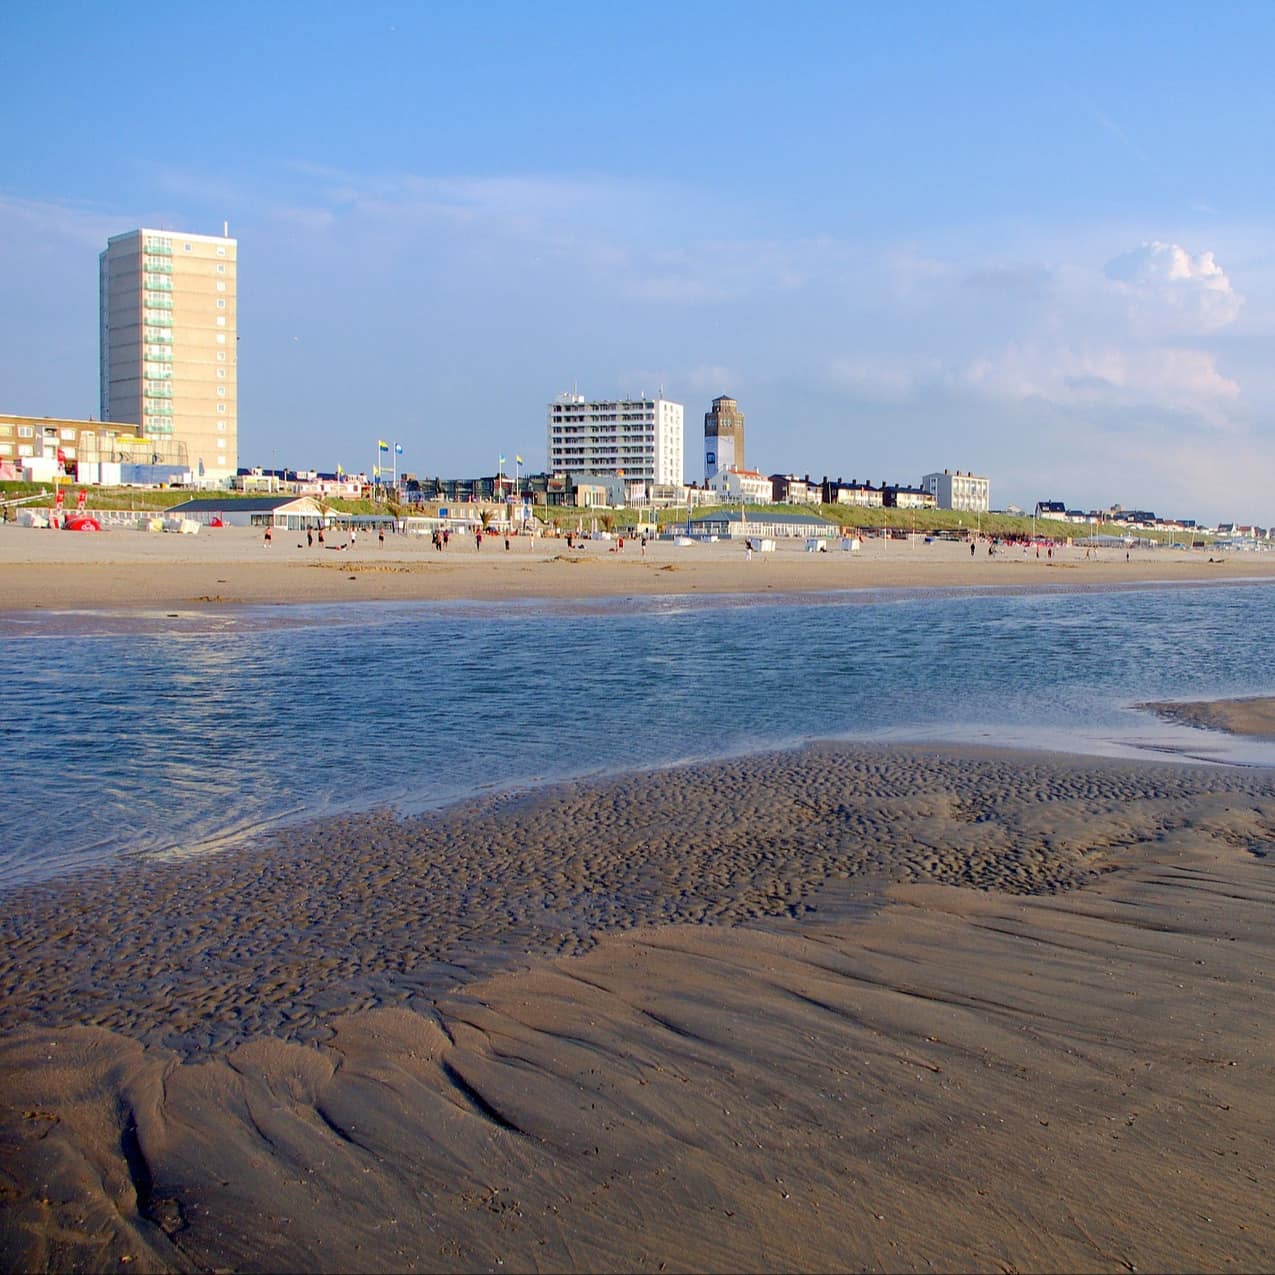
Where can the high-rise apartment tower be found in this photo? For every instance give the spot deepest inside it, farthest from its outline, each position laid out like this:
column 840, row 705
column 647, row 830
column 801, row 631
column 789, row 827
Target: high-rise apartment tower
column 723, row 437
column 638, row 438
column 168, row 330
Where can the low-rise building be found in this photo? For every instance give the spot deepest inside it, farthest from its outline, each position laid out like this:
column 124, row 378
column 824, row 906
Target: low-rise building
column 861, row 495
column 49, row 448
column 745, row 485
column 970, row 493
column 789, row 489
column 746, row 525
column 291, row 513
column 901, row 496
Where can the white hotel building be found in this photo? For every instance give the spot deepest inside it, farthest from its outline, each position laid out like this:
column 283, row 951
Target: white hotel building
column 971, row 493
column 641, row 439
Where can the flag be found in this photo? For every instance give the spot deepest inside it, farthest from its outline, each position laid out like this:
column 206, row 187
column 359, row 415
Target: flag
column 518, row 459
column 383, row 445
column 398, row 449
column 376, row 471
column 502, row 458
column 339, row 471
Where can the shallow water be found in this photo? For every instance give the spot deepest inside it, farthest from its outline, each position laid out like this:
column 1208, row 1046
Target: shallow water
column 167, row 732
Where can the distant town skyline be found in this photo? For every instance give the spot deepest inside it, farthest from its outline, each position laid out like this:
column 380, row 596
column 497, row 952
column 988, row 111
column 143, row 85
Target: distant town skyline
column 1032, row 244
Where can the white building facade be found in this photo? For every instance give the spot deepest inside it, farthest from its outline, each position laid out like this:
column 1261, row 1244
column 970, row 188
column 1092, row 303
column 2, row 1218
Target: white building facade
column 745, row 485
column 967, row 492
column 638, row 439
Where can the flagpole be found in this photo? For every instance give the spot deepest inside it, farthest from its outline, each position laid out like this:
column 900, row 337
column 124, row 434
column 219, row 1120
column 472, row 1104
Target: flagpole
column 394, row 453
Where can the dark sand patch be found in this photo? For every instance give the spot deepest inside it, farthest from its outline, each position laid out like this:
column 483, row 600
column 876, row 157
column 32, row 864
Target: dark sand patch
column 754, row 1076
column 1250, row 716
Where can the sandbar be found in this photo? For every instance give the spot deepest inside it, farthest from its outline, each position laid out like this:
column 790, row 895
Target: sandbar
column 835, row 1008
column 1250, row 715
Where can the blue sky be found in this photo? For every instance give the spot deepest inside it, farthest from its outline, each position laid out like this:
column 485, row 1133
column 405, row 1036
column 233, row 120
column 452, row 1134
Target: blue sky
column 1031, row 241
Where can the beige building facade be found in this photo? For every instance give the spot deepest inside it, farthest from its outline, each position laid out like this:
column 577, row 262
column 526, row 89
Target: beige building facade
column 169, row 323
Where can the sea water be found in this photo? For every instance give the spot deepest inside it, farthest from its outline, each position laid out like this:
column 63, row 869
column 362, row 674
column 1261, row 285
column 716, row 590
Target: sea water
column 176, row 732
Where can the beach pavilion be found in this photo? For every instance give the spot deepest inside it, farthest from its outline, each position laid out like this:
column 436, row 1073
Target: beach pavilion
column 289, row 513
column 747, row 525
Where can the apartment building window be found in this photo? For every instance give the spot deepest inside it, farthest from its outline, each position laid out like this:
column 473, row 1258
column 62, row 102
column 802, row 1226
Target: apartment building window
column 221, row 340
column 221, row 371
column 221, row 287
column 221, row 252
column 221, row 391
column 221, row 407
column 221, row 427
column 221, row 444
column 221, row 356
column 220, row 268
column 6, row 449
column 221, row 320
column 188, row 247
column 221, row 301
column 26, row 431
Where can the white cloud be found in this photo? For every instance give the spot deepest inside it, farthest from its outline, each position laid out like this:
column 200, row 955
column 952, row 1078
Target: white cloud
column 1165, row 284
column 1174, row 379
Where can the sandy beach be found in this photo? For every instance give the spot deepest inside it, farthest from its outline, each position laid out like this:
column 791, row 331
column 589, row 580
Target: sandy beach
column 838, row 1008
column 123, row 568
column 898, row 1008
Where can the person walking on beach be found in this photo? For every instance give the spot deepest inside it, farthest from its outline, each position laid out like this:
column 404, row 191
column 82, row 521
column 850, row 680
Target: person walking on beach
column 478, row 541
column 972, row 548
column 381, row 535
column 309, row 538
column 269, row 534
column 748, row 550
column 351, row 537
column 644, row 546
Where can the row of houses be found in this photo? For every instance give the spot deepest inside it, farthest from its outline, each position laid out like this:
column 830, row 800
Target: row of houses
column 1143, row 520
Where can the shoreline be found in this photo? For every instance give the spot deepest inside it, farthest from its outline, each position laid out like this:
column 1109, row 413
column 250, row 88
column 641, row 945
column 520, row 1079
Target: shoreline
column 228, row 567
column 936, row 1005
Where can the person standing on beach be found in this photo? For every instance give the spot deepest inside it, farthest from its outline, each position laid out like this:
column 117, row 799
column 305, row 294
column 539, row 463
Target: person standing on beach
column 269, row 534
column 309, row 538
column 748, row 550
column 351, row 537
column 971, row 548
column 478, row 541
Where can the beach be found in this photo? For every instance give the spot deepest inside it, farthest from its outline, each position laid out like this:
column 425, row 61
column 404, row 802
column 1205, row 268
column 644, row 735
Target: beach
column 232, row 565
column 837, row 1008
column 841, row 1006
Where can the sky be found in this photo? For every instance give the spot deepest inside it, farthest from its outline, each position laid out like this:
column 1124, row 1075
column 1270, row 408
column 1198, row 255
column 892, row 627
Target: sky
column 1032, row 241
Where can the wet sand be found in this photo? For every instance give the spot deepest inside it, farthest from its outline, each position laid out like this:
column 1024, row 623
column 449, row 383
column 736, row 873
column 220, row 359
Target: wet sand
column 1254, row 715
column 831, row 1009
column 50, row 569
